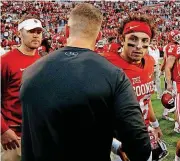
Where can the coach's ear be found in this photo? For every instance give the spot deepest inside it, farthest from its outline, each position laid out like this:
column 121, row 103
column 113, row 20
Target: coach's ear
column 20, row 34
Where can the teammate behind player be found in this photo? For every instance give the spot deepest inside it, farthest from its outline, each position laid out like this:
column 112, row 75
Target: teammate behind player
column 166, row 111
column 172, row 73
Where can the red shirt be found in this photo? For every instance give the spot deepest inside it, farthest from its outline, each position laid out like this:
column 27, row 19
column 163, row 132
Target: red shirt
column 114, row 47
column 141, row 79
column 13, row 63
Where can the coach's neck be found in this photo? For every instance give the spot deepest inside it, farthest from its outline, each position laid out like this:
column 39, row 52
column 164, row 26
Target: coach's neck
column 81, row 43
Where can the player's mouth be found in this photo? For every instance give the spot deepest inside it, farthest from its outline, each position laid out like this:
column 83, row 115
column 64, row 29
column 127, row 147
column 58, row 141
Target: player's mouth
column 137, row 53
column 35, row 41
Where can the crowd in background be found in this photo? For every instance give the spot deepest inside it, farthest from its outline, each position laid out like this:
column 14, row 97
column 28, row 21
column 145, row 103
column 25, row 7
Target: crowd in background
column 54, row 16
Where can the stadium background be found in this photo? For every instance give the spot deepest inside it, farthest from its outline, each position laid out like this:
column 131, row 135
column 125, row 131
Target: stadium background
column 55, row 16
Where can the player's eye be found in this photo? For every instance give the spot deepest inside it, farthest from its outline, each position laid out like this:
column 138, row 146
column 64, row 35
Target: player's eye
column 145, row 46
column 145, row 41
column 133, row 39
column 131, row 45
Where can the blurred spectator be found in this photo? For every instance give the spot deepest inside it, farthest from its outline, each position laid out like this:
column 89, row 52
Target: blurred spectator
column 54, row 16
column 2, row 51
column 45, row 47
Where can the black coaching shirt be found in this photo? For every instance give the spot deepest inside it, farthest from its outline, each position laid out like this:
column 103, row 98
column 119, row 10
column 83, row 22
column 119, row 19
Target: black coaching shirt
column 73, row 100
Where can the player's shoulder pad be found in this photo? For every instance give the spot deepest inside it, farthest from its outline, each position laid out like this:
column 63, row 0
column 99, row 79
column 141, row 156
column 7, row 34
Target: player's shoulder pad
column 110, row 56
column 149, row 59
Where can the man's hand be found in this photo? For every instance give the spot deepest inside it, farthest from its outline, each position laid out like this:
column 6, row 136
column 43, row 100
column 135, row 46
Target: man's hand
column 161, row 74
column 169, row 87
column 9, row 140
column 157, row 133
column 122, row 155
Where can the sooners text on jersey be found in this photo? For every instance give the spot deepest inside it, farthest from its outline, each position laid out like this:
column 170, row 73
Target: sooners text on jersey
column 141, row 79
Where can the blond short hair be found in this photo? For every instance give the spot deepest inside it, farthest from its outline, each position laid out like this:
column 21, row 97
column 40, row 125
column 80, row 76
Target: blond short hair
column 85, row 20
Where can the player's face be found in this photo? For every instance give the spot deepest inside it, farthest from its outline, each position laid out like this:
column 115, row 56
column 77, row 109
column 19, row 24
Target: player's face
column 31, row 38
column 135, row 46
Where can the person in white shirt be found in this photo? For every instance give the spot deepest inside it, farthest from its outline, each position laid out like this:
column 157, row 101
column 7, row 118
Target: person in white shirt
column 154, row 52
column 2, row 51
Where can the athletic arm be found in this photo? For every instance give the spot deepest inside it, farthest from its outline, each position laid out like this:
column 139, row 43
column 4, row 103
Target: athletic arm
column 169, row 65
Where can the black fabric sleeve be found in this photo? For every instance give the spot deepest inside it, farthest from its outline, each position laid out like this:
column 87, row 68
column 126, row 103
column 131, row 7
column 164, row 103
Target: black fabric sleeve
column 129, row 124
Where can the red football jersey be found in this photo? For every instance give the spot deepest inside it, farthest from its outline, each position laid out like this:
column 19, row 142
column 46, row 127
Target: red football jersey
column 174, row 49
column 141, row 79
column 113, row 47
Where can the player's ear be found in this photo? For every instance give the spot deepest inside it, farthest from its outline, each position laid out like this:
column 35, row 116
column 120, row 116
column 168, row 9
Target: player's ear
column 121, row 39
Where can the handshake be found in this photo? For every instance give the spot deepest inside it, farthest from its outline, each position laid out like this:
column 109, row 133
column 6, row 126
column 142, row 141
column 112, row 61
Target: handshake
column 116, row 148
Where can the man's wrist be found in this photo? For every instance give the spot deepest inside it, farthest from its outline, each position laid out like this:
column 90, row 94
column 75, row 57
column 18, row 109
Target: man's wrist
column 169, row 82
column 115, row 146
column 155, row 124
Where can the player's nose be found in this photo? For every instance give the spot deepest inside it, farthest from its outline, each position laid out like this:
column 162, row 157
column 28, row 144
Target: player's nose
column 140, row 44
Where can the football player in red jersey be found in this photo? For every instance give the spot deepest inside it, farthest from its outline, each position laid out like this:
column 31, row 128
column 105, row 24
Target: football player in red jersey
column 137, row 32
column 172, row 72
column 166, row 111
column 13, row 64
